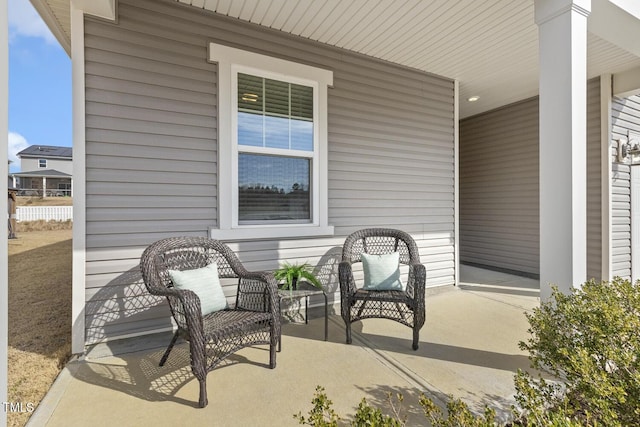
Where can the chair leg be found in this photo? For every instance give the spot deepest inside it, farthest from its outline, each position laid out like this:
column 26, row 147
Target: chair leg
column 272, row 356
column 202, row 402
column 416, row 338
column 166, row 353
column 348, row 327
column 275, row 344
column 199, row 368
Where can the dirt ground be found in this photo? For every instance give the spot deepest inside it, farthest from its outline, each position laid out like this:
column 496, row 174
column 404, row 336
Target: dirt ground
column 39, row 314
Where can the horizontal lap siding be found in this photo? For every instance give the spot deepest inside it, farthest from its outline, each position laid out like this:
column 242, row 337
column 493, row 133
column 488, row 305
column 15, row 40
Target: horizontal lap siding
column 150, row 161
column 621, row 221
column 499, row 187
column 499, row 207
column 594, row 184
column 152, row 150
column 625, row 118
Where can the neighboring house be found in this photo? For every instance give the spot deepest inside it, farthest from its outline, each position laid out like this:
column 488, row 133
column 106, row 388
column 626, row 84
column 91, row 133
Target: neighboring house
column 10, row 183
column 45, row 167
column 189, row 122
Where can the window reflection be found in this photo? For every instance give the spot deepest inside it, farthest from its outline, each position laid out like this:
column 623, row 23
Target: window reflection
column 273, row 188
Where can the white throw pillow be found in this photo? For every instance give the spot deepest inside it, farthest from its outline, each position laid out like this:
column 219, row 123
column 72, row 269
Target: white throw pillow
column 205, row 283
column 382, row 272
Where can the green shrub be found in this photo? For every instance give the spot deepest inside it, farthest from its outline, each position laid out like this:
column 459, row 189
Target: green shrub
column 589, row 341
column 458, row 414
column 586, row 343
column 322, row 413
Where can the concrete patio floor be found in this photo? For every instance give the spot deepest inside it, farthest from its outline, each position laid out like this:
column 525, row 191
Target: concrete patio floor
column 468, row 348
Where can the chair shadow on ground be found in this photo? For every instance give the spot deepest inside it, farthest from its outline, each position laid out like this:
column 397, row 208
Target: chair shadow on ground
column 379, row 396
column 402, row 344
column 139, row 375
column 143, row 379
column 124, row 301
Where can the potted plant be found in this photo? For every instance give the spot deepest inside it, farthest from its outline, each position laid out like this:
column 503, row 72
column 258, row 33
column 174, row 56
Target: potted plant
column 289, row 274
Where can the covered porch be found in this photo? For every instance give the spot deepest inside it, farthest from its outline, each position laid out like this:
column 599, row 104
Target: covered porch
column 469, row 348
column 45, row 183
column 397, row 82
column 401, row 87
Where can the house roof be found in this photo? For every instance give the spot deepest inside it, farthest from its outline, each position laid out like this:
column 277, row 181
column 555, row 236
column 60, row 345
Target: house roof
column 47, row 173
column 490, row 47
column 46, row 151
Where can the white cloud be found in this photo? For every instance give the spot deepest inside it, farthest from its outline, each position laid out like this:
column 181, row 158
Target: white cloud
column 17, row 143
column 25, row 21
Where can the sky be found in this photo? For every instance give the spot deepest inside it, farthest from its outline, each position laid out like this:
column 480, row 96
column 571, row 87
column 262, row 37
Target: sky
column 39, row 84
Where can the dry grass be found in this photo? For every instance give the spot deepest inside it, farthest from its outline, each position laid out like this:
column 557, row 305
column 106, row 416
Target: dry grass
column 39, row 314
column 42, row 225
column 46, row 201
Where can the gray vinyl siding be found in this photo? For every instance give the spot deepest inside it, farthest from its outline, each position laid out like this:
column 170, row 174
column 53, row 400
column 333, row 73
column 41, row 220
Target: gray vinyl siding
column 594, row 182
column 151, row 154
column 621, row 221
column 625, row 118
column 499, row 188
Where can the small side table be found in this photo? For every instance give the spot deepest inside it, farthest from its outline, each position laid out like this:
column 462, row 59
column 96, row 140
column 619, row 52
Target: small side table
column 305, row 290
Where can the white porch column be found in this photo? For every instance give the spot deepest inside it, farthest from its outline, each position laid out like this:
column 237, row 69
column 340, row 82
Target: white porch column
column 44, row 186
column 78, row 294
column 562, row 33
column 4, row 253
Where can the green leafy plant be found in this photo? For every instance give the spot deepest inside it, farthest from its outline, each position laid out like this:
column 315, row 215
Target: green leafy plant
column 587, row 346
column 457, row 414
column 322, row 413
column 289, row 275
column 589, row 342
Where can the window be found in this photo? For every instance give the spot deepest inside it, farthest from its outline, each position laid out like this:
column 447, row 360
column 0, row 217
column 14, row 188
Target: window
column 275, row 151
column 42, row 163
column 272, row 145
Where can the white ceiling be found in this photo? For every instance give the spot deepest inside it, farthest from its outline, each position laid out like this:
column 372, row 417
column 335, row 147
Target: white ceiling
column 490, row 47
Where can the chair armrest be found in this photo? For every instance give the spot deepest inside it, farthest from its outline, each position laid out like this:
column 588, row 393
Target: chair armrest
column 345, row 276
column 417, row 281
column 261, row 283
column 258, row 291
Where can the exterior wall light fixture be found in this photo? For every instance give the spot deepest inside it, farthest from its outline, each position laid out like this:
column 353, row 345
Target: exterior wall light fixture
column 628, row 149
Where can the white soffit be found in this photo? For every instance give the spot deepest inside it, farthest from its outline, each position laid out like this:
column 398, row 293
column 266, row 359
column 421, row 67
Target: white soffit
column 490, row 47
column 57, row 15
column 617, row 23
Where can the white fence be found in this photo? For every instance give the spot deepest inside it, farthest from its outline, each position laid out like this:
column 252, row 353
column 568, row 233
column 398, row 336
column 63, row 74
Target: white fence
column 46, row 213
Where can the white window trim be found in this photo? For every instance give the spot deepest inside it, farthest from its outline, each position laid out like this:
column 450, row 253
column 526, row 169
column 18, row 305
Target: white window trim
column 40, row 163
column 230, row 60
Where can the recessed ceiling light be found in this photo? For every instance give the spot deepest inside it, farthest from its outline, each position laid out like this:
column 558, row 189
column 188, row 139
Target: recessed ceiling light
column 473, row 98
